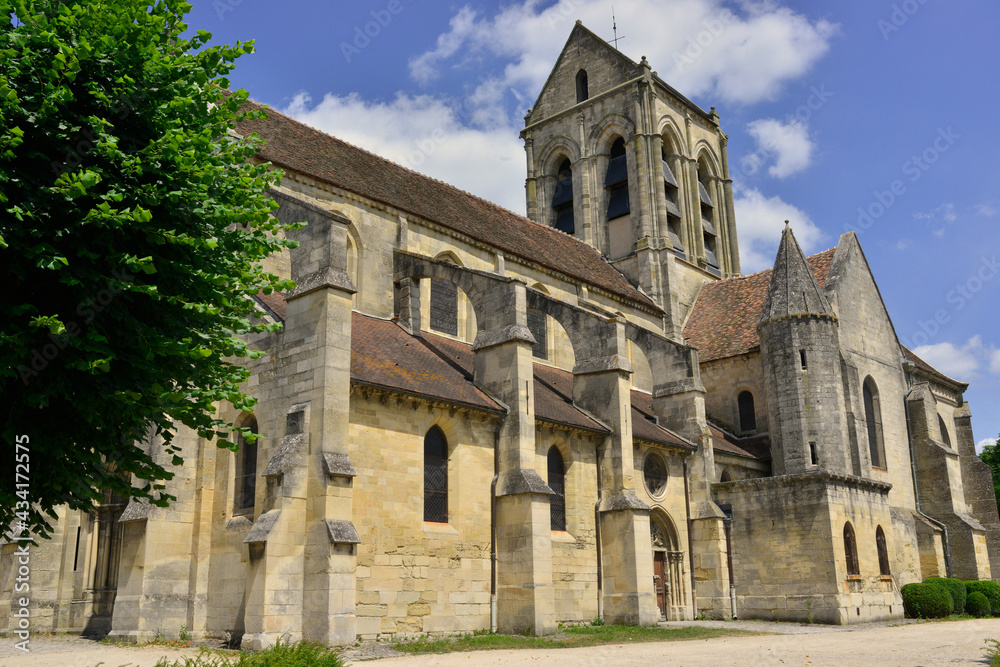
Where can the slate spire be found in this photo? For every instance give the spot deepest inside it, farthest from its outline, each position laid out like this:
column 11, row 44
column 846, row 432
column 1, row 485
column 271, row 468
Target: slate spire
column 794, row 289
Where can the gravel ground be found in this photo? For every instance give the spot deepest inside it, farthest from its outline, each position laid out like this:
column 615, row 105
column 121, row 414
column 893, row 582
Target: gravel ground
column 908, row 644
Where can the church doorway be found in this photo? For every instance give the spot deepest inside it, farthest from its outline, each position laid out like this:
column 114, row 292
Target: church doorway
column 668, row 568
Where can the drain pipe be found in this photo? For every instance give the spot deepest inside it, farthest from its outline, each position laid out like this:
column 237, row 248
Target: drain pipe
column 727, row 524
column 908, row 369
column 493, row 520
column 687, row 517
column 597, row 534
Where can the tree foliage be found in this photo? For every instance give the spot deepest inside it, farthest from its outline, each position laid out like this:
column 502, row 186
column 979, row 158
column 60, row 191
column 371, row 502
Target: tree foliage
column 991, row 457
column 132, row 225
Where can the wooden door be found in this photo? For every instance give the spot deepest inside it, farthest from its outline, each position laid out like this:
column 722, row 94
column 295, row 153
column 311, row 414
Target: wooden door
column 660, row 581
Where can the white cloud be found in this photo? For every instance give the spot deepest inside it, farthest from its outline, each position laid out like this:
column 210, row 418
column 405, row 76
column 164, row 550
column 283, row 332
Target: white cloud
column 986, row 210
column 425, row 133
column 761, row 220
column 939, row 218
column 902, row 244
column 962, row 363
column 700, row 46
column 788, row 142
column 983, row 443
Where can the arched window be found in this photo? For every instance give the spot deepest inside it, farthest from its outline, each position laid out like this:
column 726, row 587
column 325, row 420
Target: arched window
column 883, row 552
column 557, row 482
column 944, row 432
column 536, row 325
column 616, row 190
column 672, row 192
column 435, row 476
column 748, row 417
column 444, row 306
column 562, row 199
column 726, row 476
column 873, row 419
column 851, row 550
column 582, row 90
column 708, row 221
column 246, row 471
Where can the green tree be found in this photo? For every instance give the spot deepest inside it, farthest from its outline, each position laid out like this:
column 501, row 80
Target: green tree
column 991, row 457
column 132, row 226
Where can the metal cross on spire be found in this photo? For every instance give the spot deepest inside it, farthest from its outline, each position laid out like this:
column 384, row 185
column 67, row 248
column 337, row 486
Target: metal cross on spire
column 614, row 27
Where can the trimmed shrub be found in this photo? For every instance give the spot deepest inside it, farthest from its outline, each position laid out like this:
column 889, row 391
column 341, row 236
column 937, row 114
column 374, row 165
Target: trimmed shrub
column 926, row 601
column 990, row 589
column 954, row 586
column 977, row 605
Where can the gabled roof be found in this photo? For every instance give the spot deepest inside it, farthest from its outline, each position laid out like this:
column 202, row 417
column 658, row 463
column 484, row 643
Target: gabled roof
column 926, row 368
column 300, row 148
column 723, row 321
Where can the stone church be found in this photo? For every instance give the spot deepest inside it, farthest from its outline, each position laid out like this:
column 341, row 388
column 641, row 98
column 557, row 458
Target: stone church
column 472, row 420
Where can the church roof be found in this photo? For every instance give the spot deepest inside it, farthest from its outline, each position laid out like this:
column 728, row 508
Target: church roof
column 756, row 447
column 793, row 288
column 300, row 148
column 723, row 321
column 927, row 369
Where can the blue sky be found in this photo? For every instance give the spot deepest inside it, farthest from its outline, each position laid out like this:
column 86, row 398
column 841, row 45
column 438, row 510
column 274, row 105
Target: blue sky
column 872, row 115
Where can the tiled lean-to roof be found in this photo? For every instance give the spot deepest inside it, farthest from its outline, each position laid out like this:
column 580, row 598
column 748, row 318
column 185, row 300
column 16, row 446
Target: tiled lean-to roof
column 930, row 370
column 300, row 148
column 723, row 322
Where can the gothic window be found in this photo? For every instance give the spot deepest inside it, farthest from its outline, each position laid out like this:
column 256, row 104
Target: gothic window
column 654, row 473
column 444, row 306
column 246, row 471
column 672, row 192
column 708, row 224
column 582, row 90
column 873, row 419
column 562, row 199
column 435, row 476
column 851, row 550
column 883, row 552
column 616, row 181
column 537, row 327
column 748, row 417
column 944, row 432
column 557, row 482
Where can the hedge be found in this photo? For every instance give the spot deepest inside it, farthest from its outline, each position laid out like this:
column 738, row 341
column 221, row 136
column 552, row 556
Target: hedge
column 954, row 586
column 977, row 605
column 927, row 601
column 990, row 590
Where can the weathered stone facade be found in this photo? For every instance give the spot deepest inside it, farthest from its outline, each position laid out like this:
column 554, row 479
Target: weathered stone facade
column 555, row 436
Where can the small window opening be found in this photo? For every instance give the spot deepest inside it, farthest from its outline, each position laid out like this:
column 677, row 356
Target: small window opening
column 813, row 454
column 76, row 555
column 802, row 359
column 582, row 89
column 883, row 552
column 562, row 199
column 616, row 181
column 748, row 417
column 435, row 476
column 444, row 306
column 557, row 482
column 537, row 327
column 851, row 550
column 246, row 471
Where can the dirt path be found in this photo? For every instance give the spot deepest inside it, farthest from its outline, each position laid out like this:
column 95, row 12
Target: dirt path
column 945, row 643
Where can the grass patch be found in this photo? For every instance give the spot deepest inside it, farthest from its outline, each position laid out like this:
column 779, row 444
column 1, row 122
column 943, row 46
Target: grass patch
column 298, row 654
column 568, row 638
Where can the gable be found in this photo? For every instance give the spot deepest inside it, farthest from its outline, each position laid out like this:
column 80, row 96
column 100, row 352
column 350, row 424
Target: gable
column 606, row 68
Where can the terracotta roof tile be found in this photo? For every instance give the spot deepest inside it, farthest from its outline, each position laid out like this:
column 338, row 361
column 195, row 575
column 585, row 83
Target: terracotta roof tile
column 384, row 355
column 723, row 322
column 644, row 428
column 757, row 447
column 298, row 147
column 275, row 302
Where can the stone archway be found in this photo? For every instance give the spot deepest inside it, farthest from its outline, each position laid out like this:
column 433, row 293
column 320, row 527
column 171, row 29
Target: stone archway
column 668, row 567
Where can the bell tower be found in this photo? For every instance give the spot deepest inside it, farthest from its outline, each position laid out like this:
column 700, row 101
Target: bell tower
column 622, row 161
